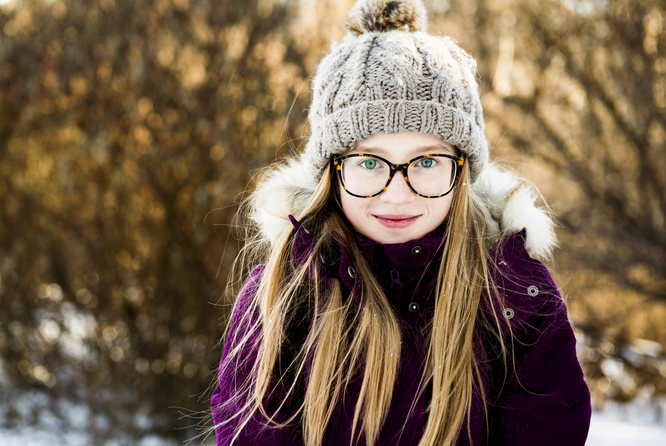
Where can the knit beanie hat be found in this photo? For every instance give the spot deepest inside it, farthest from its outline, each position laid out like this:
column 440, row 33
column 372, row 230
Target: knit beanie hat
column 389, row 76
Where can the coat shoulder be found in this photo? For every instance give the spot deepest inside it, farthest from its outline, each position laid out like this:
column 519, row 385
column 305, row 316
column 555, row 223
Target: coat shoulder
column 523, row 284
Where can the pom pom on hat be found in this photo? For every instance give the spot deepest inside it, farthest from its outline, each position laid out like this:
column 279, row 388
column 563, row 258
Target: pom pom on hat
column 367, row 16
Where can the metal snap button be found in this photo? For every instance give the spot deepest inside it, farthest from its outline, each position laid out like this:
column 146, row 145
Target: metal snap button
column 413, row 307
column 509, row 313
column 416, row 250
column 532, row 290
column 351, row 271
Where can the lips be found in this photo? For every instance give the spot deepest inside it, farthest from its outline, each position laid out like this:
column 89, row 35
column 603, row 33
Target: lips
column 396, row 221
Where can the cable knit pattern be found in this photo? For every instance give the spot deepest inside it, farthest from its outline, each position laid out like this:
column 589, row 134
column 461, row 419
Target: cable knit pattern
column 393, row 81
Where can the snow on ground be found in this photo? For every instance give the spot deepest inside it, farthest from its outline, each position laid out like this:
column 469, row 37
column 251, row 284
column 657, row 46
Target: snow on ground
column 39, row 437
column 608, row 430
column 642, row 422
column 614, row 427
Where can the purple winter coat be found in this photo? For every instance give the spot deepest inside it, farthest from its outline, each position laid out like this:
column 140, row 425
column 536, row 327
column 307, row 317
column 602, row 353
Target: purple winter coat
column 544, row 401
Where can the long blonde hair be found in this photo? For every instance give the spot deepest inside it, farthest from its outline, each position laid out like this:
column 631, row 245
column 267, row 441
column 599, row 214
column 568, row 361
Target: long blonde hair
column 344, row 338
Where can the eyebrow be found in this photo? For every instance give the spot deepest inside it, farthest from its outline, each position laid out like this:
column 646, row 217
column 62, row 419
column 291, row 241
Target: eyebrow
column 431, row 148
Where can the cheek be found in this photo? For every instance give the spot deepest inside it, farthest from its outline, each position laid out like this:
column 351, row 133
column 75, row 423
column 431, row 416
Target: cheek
column 356, row 210
column 351, row 206
column 441, row 209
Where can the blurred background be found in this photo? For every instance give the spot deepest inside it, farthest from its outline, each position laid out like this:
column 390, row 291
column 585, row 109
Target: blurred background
column 129, row 130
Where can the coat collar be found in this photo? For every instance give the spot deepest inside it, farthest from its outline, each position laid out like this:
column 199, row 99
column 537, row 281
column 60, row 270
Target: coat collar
column 402, row 269
column 412, row 256
column 407, row 270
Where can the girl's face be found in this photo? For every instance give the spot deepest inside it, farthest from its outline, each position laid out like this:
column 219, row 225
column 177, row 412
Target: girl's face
column 397, row 215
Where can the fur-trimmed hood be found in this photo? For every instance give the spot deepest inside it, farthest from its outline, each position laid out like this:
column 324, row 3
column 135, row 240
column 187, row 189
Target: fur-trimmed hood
column 510, row 204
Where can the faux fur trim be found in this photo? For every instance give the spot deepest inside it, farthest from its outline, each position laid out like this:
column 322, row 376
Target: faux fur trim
column 284, row 191
column 510, row 204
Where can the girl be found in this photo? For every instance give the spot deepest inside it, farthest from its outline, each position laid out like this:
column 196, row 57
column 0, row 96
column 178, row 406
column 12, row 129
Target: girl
column 397, row 301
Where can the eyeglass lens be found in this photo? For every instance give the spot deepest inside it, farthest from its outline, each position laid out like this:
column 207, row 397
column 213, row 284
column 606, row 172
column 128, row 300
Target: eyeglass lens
column 367, row 175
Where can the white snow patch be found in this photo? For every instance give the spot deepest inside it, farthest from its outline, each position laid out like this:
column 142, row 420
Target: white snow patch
column 642, row 422
column 607, row 430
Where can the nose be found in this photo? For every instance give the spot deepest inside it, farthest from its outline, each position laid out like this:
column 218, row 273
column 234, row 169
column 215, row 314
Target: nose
column 398, row 191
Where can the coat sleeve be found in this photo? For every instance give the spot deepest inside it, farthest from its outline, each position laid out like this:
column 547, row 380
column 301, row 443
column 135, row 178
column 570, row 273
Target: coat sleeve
column 227, row 400
column 544, row 400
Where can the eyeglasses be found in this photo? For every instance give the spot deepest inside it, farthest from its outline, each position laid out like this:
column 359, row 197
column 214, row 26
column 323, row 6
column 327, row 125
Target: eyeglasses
column 365, row 175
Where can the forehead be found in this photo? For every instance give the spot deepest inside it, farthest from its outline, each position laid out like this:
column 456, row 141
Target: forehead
column 399, row 147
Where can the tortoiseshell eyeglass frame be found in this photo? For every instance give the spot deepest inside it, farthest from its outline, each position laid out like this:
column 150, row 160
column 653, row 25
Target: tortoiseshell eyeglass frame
column 459, row 162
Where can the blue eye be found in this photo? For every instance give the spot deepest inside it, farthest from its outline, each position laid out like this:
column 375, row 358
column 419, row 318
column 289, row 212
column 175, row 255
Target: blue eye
column 426, row 162
column 369, row 163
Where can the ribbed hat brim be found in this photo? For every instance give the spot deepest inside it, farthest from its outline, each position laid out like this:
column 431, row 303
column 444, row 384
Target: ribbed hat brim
column 338, row 131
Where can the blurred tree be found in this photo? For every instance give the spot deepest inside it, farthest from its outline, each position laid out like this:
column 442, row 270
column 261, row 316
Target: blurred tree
column 581, row 86
column 591, row 89
column 127, row 130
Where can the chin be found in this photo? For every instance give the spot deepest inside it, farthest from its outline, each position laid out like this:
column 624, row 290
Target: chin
column 385, row 238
